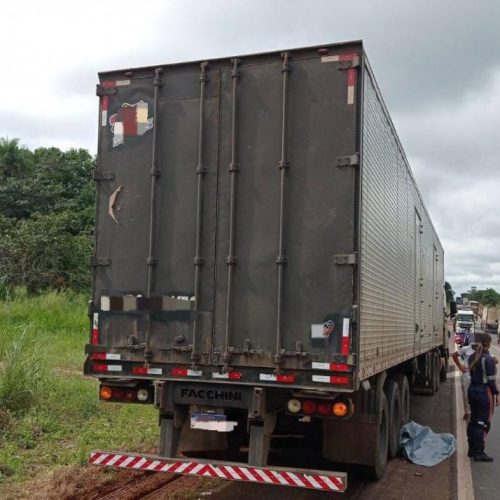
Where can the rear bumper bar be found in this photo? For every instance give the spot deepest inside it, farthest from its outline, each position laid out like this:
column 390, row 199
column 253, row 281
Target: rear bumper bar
column 309, row 479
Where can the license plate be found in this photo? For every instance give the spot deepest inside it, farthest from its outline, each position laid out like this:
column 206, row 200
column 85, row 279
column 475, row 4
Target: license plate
column 211, row 422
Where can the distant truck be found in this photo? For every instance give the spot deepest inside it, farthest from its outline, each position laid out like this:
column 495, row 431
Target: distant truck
column 264, row 264
column 465, row 321
column 489, row 320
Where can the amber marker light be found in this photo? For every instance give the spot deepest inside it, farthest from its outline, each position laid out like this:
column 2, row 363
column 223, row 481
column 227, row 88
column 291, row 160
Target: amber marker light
column 105, row 393
column 340, row 409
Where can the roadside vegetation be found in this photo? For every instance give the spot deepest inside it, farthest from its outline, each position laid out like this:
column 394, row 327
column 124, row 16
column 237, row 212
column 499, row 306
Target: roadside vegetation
column 50, row 414
column 46, row 218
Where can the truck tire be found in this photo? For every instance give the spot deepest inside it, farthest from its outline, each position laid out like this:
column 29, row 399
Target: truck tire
column 393, row 396
column 380, row 452
column 437, row 371
column 430, row 361
column 404, row 391
column 443, row 373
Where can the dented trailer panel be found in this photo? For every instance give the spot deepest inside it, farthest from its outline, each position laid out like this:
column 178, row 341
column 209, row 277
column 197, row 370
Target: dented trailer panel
column 258, row 214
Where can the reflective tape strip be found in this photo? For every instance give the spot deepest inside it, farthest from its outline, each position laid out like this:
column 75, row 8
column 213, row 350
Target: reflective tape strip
column 334, row 367
column 185, row 372
column 227, row 376
column 327, row 379
column 94, row 337
column 109, row 356
column 320, row 366
column 324, row 481
column 105, row 302
column 114, row 368
column 350, row 94
column 351, row 85
column 111, row 84
column 344, row 347
column 153, row 465
column 104, row 110
column 143, row 370
column 155, row 371
column 97, row 460
column 339, row 57
column 280, row 378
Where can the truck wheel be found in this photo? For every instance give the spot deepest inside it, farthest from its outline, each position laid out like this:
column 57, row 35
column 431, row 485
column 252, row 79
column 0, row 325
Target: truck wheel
column 431, row 380
column 443, row 373
column 381, row 448
column 394, row 404
column 437, row 371
column 404, row 391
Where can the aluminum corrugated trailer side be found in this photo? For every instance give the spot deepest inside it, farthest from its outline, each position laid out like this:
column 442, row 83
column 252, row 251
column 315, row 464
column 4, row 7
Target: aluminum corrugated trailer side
column 263, row 259
column 401, row 259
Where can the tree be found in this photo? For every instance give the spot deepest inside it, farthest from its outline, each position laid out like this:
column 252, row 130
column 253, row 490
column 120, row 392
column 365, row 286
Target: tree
column 46, row 217
column 450, row 294
column 487, row 297
column 15, row 160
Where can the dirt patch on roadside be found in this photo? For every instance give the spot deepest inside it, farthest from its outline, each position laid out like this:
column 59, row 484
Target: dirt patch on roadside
column 91, row 483
column 70, row 483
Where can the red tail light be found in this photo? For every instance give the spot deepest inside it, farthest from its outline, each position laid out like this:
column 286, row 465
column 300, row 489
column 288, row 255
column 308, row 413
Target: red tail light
column 118, row 393
column 324, row 408
column 130, row 395
column 309, row 407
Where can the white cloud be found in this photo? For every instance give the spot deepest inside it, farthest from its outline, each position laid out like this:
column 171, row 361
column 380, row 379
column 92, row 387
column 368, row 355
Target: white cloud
column 437, row 62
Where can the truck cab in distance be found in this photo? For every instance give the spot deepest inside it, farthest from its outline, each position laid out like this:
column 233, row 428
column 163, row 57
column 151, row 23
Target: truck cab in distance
column 465, row 321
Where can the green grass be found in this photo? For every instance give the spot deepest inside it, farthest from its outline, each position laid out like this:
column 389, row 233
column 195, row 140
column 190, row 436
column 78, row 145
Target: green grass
column 50, row 414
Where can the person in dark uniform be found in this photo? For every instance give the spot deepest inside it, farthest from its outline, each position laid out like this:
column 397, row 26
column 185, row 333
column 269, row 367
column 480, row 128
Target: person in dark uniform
column 482, row 390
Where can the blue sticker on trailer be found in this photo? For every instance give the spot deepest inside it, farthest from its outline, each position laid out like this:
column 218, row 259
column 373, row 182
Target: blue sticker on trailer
column 207, row 417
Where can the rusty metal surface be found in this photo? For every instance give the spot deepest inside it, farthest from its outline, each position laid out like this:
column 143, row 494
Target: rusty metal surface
column 245, row 132
column 238, row 172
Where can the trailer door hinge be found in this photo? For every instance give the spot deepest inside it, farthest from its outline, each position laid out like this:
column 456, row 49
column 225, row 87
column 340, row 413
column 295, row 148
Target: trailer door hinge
column 100, row 90
column 103, row 176
column 100, row 261
column 346, row 259
column 348, row 161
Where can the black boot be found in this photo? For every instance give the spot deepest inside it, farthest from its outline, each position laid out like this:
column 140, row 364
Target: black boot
column 472, row 438
column 483, row 458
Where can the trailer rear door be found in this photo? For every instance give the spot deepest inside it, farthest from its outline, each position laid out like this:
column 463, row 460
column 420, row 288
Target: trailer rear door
column 237, row 169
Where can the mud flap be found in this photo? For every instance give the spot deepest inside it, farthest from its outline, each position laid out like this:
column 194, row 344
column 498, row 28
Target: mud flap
column 260, row 440
column 170, row 433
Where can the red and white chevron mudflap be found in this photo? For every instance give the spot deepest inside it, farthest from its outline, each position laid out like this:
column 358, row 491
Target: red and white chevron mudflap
column 314, row 480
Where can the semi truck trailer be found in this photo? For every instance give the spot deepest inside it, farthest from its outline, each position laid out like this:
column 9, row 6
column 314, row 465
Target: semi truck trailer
column 264, row 264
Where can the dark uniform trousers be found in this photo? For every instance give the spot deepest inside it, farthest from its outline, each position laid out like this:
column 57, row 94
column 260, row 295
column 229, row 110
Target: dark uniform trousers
column 481, row 405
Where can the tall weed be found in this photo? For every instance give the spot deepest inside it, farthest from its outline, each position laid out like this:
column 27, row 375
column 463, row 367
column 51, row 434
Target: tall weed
column 21, row 374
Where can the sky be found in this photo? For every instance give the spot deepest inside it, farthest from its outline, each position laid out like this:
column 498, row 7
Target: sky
column 437, row 63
